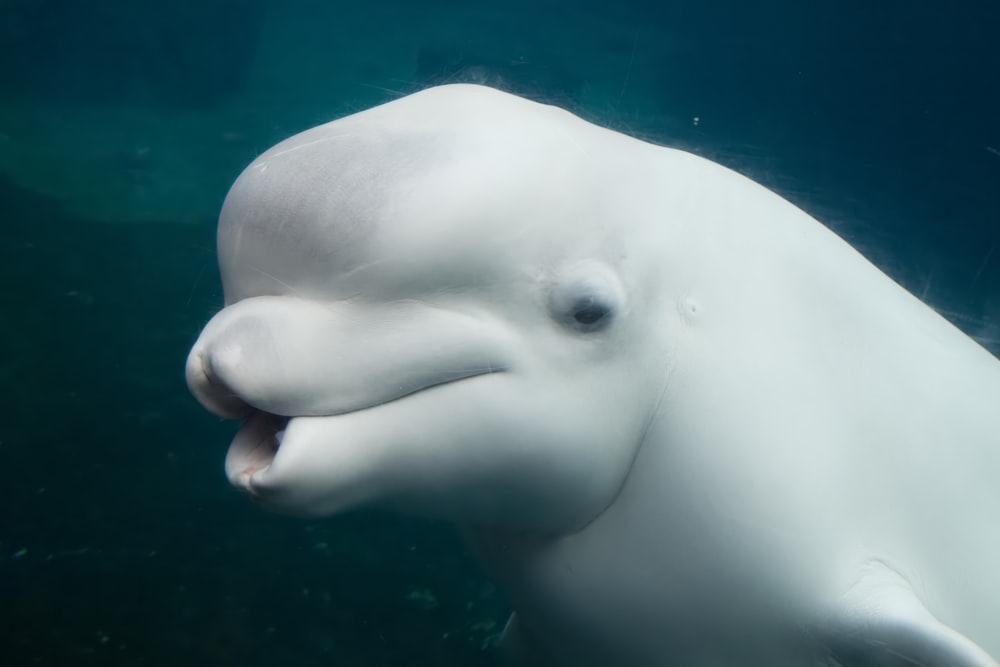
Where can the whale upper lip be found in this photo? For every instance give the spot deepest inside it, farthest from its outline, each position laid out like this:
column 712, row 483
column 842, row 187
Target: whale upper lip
column 393, row 397
column 293, row 356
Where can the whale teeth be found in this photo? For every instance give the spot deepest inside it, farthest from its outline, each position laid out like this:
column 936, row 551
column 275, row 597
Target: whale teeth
column 280, row 425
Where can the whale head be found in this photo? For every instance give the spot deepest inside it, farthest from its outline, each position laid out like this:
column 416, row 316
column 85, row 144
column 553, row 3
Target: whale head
column 438, row 305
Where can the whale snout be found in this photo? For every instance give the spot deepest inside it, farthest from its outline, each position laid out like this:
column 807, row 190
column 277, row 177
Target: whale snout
column 291, row 357
column 206, row 386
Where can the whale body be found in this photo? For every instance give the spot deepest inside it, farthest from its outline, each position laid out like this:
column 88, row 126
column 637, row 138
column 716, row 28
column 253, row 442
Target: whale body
column 679, row 421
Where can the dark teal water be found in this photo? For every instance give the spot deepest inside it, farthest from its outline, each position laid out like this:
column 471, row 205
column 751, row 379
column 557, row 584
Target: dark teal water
column 121, row 126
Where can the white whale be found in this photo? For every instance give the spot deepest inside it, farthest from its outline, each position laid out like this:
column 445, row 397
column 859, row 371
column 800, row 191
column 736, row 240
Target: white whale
column 680, row 421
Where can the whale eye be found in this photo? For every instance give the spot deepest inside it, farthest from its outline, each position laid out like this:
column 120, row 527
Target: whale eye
column 589, row 311
column 587, row 299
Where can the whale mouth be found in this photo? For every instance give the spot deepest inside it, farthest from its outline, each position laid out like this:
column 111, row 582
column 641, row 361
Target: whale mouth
column 254, row 447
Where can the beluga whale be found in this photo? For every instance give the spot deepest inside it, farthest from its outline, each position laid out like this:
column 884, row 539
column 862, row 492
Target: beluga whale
column 678, row 420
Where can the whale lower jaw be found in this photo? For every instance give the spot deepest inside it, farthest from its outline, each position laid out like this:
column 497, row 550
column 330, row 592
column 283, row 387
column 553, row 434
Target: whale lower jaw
column 259, row 439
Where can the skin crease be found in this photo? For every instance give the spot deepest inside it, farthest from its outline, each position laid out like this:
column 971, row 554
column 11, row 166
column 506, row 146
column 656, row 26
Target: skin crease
column 678, row 420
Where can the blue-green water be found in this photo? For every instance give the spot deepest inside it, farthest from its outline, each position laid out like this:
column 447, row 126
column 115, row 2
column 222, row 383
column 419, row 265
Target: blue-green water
column 121, row 126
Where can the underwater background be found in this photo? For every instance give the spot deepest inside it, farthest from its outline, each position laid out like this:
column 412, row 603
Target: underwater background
column 122, row 124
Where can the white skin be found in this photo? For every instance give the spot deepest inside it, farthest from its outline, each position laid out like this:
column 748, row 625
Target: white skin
column 647, row 388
